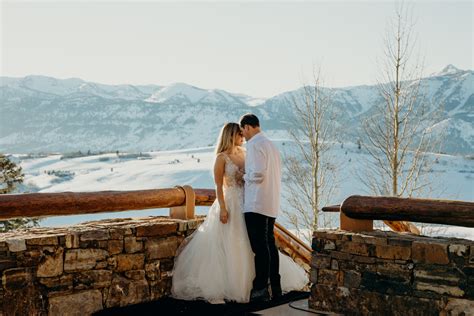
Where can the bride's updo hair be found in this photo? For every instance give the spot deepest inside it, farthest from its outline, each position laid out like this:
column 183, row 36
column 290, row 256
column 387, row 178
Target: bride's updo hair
column 226, row 138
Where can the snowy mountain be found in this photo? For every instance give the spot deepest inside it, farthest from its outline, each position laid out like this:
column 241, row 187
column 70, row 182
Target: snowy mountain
column 449, row 95
column 44, row 114
column 63, row 87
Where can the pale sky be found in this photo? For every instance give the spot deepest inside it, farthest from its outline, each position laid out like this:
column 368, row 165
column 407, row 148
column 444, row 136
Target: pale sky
column 257, row 48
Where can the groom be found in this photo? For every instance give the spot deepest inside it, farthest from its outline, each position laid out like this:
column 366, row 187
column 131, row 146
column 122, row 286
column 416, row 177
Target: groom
column 262, row 203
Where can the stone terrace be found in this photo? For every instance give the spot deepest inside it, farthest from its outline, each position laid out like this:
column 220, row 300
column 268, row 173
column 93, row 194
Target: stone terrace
column 88, row 267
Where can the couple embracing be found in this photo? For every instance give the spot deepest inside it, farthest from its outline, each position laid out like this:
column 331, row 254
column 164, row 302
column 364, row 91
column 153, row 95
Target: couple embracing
column 232, row 256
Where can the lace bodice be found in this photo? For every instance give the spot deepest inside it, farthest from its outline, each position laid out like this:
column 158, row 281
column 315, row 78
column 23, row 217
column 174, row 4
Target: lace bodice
column 232, row 174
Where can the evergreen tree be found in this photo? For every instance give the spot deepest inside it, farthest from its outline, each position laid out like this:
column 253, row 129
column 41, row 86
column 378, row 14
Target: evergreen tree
column 11, row 175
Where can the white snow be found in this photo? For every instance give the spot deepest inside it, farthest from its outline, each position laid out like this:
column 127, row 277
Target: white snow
column 195, row 95
column 448, row 70
column 255, row 101
column 192, row 93
column 365, row 96
column 50, row 85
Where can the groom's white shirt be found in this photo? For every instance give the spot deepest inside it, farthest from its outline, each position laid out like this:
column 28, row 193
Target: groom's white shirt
column 262, row 177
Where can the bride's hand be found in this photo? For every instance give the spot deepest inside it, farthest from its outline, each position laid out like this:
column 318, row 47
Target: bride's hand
column 224, row 216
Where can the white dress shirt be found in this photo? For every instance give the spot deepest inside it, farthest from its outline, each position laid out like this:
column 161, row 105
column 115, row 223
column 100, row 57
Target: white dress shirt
column 262, row 177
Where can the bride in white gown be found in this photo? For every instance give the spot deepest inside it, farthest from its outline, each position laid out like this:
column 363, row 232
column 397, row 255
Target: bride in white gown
column 216, row 263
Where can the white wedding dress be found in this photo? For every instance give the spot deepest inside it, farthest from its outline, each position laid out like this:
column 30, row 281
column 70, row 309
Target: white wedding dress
column 216, row 262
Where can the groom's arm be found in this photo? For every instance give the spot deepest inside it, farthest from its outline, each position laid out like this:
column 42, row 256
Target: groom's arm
column 259, row 170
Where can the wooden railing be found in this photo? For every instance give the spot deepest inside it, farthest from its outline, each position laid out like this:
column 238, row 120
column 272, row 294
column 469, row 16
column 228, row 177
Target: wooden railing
column 74, row 203
column 358, row 212
column 293, row 246
column 180, row 200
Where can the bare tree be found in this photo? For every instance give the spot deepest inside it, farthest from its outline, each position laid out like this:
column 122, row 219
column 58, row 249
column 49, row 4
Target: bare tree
column 310, row 171
column 397, row 133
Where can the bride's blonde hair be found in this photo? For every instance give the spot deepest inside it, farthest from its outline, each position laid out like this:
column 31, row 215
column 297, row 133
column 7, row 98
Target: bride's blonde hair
column 226, row 138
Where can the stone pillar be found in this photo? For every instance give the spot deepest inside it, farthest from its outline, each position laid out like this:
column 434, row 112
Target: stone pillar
column 389, row 273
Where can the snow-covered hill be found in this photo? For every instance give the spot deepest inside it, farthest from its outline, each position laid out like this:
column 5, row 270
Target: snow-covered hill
column 44, row 114
column 452, row 176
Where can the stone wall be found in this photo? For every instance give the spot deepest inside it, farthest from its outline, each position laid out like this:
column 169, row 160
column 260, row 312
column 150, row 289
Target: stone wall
column 85, row 268
column 387, row 273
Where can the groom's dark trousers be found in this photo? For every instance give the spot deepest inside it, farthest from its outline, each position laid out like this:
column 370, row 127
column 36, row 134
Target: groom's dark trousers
column 262, row 240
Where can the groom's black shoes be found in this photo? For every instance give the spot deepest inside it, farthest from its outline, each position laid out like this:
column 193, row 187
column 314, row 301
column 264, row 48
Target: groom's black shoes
column 275, row 283
column 276, row 293
column 259, row 295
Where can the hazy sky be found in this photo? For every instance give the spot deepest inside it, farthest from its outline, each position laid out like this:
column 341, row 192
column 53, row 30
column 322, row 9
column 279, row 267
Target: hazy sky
column 257, row 48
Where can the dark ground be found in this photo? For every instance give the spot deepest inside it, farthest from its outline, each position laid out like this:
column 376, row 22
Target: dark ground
column 170, row 306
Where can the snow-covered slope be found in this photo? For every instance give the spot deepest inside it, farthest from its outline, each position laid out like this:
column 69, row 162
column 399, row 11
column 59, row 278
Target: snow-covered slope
column 452, row 176
column 181, row 93
column 46, row 114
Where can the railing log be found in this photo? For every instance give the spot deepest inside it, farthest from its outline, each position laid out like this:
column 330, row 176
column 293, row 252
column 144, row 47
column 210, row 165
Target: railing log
column 332, row 208
column 75, row 203
column 460, row 213
column 293, row 246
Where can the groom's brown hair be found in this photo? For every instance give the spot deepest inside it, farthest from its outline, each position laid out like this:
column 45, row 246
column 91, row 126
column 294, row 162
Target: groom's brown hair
column 249, row 119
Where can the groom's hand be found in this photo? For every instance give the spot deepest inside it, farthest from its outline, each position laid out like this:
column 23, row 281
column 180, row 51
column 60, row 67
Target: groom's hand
column 239, row 177
column 224, row 216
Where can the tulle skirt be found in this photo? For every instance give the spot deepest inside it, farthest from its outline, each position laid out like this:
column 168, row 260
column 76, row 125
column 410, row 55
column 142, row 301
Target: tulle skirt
column 216, row 262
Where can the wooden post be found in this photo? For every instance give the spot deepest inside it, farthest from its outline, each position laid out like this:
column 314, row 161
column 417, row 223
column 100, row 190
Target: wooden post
column 185, row 211
column 351, row 224
column 356, row 225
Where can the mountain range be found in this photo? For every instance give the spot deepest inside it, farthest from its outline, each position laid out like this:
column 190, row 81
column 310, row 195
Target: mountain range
column 45, row 114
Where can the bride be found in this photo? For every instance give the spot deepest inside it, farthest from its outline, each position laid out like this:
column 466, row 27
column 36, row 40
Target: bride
column 216, row 262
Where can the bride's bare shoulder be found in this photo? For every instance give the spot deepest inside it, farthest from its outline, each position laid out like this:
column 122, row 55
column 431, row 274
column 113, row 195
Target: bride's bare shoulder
column 221, row 158
column 242, row 149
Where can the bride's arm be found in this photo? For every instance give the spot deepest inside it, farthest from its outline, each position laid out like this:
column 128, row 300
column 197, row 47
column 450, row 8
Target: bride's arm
column 219, row 168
